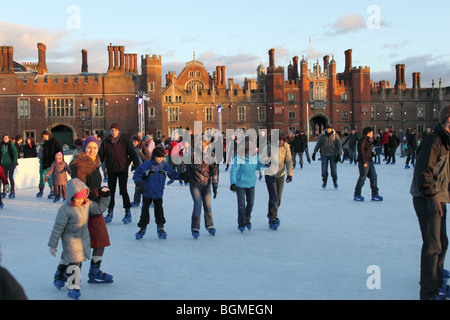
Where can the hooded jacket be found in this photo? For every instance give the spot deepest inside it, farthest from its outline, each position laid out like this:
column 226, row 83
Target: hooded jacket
column 329, row 144
column 243, row 174
column 71, row 224
column 432, row 169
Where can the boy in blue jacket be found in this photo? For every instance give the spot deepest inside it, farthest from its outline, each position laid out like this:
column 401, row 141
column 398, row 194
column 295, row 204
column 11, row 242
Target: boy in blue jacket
column 150, row 178
column 243, row 180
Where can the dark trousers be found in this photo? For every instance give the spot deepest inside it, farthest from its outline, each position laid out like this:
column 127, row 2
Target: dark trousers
column 367, row 172
column 112, row 183
column 332, row 161
column 275, row 188
column 434, row 247
column 9, row 172
column 145, row 212
column 245, row 201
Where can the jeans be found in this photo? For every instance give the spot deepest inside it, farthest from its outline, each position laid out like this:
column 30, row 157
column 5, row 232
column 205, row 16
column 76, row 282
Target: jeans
column 352, row 155
column 434, row 247
column 201, row 195
column 245, row 201
column 332, row 161
column 145, row 212
column 367, row 172
column 275, row 188
column 112, row 183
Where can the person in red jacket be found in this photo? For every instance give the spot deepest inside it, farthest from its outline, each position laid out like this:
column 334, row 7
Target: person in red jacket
column 5, row 182
column 385, row 142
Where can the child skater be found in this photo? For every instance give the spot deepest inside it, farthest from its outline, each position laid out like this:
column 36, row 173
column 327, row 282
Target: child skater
column 71, row 227
column 59, row 169
column 150, row 178
column 243, row 181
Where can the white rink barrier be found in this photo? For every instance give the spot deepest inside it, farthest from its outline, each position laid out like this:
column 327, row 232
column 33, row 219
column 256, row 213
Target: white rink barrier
column 26, row 174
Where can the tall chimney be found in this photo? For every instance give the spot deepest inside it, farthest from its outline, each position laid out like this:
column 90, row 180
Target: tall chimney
column 326, row 63
column 42, row 64
column 398, row 77
column 84, row 63
column 271, row 57
column 348, row 60
column 295, row 73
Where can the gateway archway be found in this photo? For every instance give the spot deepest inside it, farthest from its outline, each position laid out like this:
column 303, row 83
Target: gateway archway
column 317, row 125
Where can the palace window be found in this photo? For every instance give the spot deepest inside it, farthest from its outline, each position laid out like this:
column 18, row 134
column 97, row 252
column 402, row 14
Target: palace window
column 420, row 113
column 173, row 114
column 291, row 115
column 60, row 108
column 24, row 108
column 241, row 114
column 262, row 113
column 99, row 110
column 208, row 114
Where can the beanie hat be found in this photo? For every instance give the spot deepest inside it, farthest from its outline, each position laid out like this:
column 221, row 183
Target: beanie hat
column 116, row 126
column 367, row 130
column 89, row 140
column 59, row 154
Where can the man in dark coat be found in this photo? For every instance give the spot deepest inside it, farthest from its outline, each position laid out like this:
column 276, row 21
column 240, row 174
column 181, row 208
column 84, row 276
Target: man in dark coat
column 430, row 191
column 118, row 153
column 299, row 145
column 366, row 166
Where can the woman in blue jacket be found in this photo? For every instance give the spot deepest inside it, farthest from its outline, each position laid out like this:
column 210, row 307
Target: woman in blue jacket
column 150, row 178
column 243, row 181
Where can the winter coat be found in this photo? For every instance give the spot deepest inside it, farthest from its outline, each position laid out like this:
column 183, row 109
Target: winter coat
column 10, row 289
column 243, row 174
column 60, row 171
column 50, row 148
column 29, row 151
column 353, row 140
column 280, row 165
column 329, row 144
column 8, row 153
column 142, row 153
column 432, row 169
column 365, row 150
column 201, row 173
column 299, row 143
column 3, row 177
column 88, row 171
column 153, row 175
column 71, row 224
column 118, row 155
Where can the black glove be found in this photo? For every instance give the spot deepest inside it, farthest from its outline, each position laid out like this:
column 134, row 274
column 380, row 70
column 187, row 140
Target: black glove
column 313, row 157
column 338, row 158
column 140, row 187
column 289, row 179
column 214, row 190
column 233, row 187
column 104, row 192
column 184, row 177
column 434, row 206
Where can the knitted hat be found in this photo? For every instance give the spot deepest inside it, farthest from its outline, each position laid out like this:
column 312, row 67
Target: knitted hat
column 89, row 140
column 59, row 154
column 82, row 194
column 116, row 126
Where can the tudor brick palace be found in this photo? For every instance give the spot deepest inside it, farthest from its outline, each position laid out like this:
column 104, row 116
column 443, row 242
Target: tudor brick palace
column 72, row 104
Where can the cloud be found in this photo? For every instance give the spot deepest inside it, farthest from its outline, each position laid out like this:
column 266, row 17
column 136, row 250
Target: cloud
column 348, row 23
column 431, row 68
column 24, row 39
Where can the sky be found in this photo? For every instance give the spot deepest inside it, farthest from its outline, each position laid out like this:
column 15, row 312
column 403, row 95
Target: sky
column 236, row 34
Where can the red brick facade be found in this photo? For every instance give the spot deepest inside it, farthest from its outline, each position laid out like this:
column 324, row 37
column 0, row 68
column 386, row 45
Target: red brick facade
column 33, row 100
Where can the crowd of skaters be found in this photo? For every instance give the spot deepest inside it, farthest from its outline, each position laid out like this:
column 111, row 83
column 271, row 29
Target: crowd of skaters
column 152, row 162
